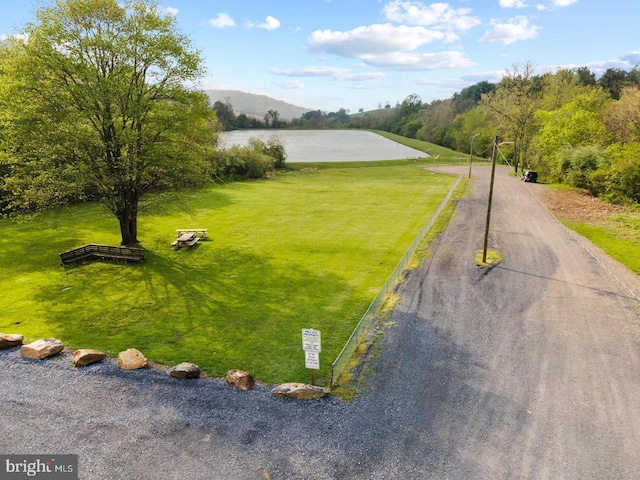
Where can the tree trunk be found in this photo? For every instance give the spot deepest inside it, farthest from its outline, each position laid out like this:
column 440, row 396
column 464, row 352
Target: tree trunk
column 127, row 215
column 129, row 230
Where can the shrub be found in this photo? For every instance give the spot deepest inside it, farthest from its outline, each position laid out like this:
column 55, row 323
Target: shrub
column 576, row 166
column 256, row 160
column 619, row 180
column 257, row 164
column 274, row 147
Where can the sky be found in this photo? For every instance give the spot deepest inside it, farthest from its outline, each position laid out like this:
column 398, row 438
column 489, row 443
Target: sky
column 362, row 54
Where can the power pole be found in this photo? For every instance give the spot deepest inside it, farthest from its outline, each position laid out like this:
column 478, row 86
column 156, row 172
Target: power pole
column 493, row 173
column 471, row 153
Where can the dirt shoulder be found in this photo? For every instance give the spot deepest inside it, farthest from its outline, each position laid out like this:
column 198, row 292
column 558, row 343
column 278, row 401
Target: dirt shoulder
column 580, row 206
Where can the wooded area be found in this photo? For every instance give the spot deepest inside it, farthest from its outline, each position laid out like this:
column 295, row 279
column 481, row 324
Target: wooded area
column 570, row 126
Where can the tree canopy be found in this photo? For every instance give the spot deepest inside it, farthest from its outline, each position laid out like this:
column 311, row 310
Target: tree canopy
column 570, row 125
column 97, row 100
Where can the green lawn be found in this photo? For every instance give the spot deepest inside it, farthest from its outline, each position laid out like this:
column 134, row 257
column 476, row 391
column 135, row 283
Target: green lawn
column 618, row 240
column 303, row 250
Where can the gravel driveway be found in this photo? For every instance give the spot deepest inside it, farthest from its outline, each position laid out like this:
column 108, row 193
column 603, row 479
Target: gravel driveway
column 528, row 369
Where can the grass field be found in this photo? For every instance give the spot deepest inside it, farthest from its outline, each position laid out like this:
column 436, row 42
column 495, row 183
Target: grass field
column 619, row 240
column 303, row 250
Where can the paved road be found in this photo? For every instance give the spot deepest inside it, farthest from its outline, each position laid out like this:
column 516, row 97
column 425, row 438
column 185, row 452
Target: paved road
column 529, row 369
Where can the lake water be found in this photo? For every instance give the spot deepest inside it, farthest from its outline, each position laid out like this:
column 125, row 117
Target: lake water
column 327, row 145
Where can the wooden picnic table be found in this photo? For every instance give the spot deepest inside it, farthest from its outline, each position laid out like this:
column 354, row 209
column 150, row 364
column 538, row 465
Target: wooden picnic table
column 186, row 240
column 185, row 237
column 200, row 232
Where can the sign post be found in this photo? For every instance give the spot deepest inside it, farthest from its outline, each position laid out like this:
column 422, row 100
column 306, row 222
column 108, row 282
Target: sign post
column 311, row 345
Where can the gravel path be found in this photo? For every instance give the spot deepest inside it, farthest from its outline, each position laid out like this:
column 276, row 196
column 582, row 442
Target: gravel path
column 528, row 369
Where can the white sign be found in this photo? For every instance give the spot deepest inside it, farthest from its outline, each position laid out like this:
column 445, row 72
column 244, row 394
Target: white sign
column 311, row 340
column 312, row 360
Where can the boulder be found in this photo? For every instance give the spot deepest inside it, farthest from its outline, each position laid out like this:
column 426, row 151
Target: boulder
column 299, row 390
column 42, row 348
column 8, row 340
column 87, row 356
column 185, row 370
column 240, row 379
column 131, row 359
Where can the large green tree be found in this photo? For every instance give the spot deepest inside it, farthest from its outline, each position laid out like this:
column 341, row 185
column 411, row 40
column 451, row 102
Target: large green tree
column 97, row 99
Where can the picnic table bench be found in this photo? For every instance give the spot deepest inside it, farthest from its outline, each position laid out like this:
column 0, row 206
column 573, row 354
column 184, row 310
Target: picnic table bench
column 201, row 232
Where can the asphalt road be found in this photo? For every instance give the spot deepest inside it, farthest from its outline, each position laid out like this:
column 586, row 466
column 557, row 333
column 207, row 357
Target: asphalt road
column 527, row 369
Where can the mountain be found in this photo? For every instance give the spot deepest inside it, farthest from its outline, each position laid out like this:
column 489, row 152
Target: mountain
column 256, row 105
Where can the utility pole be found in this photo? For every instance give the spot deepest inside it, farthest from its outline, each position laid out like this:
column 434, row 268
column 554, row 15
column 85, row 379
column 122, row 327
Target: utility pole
column 471, row 153
column 496, row 145
column 493, row 173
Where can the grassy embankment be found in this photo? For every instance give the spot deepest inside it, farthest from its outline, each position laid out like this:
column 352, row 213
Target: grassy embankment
column 620, row 239
column 304, row 250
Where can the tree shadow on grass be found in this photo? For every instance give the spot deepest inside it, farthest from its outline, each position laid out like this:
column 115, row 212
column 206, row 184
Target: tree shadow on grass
column 236, row 310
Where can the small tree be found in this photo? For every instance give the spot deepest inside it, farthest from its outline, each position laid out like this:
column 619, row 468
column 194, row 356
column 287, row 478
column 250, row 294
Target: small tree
column 514, row 103
column 272, row 119
column 226, row 115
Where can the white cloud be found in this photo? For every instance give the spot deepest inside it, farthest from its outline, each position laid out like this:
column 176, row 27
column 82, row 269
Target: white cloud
column 291, row 84
column 513, row 30
column 563, row 3
column 555, row 3
column 418, row 61
column 222, row 20
column 390, row 47
column 436, row 15
column 512, row 3
column 490, row 76
column 633, row 58
column 336, row 73
column 626, row 62
column 315, row 71
column 172, row 11
column 374, row 39
column 359, row 77
column 270, row 23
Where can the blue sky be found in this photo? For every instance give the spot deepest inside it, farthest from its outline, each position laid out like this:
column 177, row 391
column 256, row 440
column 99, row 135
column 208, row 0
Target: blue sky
column 352, row 54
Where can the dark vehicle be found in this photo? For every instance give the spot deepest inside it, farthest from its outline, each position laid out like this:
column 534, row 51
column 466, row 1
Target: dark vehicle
column 529, row 176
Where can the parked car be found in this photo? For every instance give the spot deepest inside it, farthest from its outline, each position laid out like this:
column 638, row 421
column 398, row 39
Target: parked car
column 529, row 176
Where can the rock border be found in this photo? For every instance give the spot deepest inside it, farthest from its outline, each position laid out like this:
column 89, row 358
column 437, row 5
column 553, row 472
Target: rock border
column 133, row 359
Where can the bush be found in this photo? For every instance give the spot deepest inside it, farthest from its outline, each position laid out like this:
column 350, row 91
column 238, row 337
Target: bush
column 275, row 149
column 619, row 180
column 256, row 160
column 576, row 166
column 257, row 164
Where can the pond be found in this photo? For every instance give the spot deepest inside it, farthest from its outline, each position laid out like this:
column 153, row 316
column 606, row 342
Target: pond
column 328, row 145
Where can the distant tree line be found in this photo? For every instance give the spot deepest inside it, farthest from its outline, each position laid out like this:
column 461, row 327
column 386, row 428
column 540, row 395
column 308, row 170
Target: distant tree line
column 230, row 121
column 571, row 126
